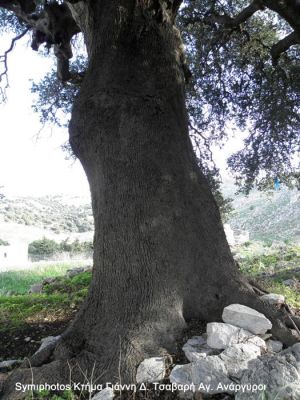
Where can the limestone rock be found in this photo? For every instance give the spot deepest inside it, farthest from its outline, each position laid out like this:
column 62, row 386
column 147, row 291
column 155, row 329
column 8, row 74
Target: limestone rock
column 220, row 335
column 206, row 375
column 274, row 346
column 273, row 298
column 74, row 271
column 280, row 373
column 197, row 348
column 247, row 318
column 294, row 350
column 181, row 374
column 238, row 356
column 105, row 394
column 151, row 370
column 36, row 288
column 8, row 365
column 290, row 282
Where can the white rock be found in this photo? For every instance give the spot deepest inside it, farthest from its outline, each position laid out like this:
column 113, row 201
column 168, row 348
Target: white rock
column 197, row 347
column 238, row 356
column 257, row 341
column 151, row 370
column 273, row 298
column 208, row 372
column 220, row 336
column 290, row 282
column 247, row 318
column 105, row 394
column 274, row 346
column 294, row 350
column 279, row 372
column 181, row 374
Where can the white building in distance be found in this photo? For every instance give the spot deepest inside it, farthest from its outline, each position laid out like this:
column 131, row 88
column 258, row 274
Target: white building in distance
column 13, row 255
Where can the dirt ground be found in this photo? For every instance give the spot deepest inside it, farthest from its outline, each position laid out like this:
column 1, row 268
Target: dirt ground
column 22, row 342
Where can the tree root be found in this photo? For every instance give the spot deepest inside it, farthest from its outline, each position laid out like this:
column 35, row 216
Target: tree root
column 73, row 360
column 257, row 288
column 283, row 323
column 76, row 358
column 41, row 357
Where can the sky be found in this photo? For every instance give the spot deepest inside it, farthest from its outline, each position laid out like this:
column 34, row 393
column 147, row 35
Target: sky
column 33, row 163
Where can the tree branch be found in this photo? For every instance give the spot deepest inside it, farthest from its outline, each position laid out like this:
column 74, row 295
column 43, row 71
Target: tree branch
column 283, row 45
column 289, row 10
column 227, row 20
column 53, row 25
column 3, row 58
column 243, row 16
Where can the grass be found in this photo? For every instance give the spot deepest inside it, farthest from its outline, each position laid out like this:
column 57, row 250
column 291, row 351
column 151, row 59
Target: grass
column 54, row 304
column 292, row 296
column 19, row 282
column 46, row 395
column 64, row 296
column 278, row 264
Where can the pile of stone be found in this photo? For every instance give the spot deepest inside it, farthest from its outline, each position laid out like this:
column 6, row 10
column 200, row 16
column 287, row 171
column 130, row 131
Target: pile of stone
column 237, row 356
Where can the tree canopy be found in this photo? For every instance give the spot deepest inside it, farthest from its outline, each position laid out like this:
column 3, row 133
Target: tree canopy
column 242, row 71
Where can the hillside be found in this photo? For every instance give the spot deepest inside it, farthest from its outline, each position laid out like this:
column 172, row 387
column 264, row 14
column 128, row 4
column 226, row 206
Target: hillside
column 56, row 214
column 267, row 217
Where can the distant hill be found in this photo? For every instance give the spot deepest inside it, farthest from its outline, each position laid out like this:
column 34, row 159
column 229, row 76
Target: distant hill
column 267, row 217
column 54, row 213
column 24, row 219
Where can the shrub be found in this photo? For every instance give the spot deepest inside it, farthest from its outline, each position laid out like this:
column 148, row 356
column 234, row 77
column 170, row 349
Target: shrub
column 44, row 246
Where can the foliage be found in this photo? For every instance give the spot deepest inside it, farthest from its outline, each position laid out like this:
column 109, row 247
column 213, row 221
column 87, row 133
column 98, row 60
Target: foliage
column 4, row 242
column 9, row 22
column 54, row 98
column 75, row 247
column 49, row 247
column 44, row 246
column 235, row 84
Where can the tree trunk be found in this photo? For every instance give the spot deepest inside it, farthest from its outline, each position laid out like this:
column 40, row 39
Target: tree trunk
column 161, row 255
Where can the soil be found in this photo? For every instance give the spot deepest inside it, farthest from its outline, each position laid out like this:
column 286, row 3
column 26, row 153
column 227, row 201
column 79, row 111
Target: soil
column 15, row 343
